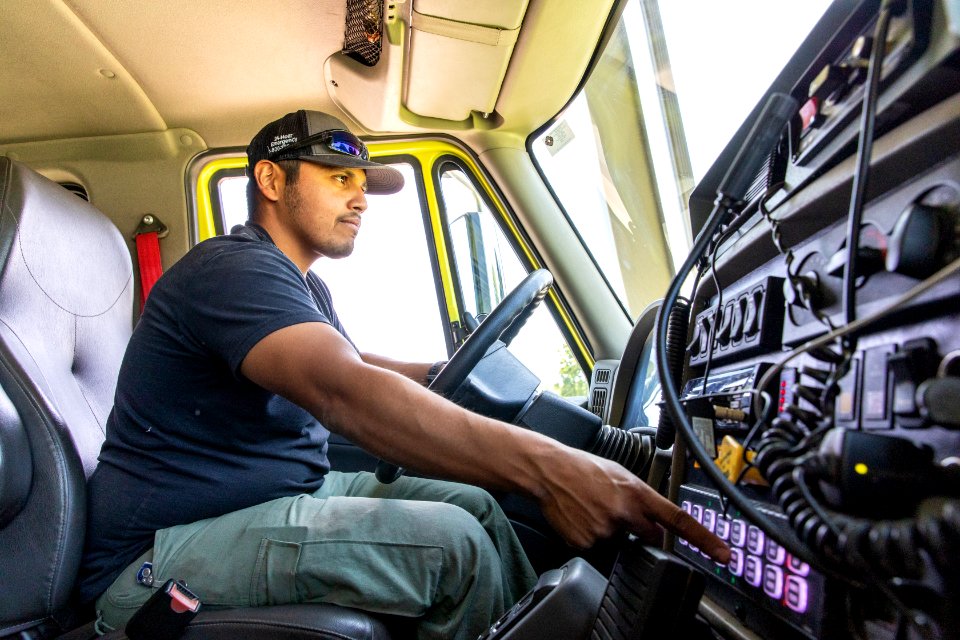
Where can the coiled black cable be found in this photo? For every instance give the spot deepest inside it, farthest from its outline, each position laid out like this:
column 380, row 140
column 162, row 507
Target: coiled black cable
column 787, row 456
column 677, row 327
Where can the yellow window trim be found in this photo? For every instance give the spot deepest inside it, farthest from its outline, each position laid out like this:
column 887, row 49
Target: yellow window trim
column 427, row 152
column 205, row 225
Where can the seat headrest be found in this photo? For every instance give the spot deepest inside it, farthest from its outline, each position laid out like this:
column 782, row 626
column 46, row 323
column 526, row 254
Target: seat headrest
column 66, row 298
column 59, row 237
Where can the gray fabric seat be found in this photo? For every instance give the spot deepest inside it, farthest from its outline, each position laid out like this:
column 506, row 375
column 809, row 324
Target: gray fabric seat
column 66, row 300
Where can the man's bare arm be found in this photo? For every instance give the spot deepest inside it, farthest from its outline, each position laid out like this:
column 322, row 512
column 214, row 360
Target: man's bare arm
column 583, row 496
column 416, row 371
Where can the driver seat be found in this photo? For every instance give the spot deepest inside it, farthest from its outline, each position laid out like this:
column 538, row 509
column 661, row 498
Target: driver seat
column 66, row 303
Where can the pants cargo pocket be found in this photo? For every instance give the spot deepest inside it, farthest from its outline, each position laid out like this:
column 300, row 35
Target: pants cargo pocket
column 400, row 579
column 275, row 576
column 390, row 578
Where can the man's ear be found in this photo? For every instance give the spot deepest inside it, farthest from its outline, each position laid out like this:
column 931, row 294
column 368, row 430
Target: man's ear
column 270, row 180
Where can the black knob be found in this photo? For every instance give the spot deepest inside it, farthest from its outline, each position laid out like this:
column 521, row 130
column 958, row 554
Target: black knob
column 923, row 240
column 939, row 401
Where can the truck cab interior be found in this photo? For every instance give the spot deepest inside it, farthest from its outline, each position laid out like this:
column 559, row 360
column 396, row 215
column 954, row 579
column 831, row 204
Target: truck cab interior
column 715, row 244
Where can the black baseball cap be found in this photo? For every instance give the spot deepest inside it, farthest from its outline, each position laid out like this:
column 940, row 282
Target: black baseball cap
column 319, row 137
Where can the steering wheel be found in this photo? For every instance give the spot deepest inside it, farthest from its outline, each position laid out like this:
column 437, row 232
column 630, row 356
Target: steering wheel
column 503, row 324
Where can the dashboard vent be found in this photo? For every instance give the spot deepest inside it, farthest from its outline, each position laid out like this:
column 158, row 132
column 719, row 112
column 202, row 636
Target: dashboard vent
column 598, row 401
column 603, row 376
column 76, row 189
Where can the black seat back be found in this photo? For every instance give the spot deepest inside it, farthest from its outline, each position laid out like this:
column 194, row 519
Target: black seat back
column 66, row 300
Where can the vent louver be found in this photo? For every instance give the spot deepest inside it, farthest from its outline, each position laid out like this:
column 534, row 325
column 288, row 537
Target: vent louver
column 598, row 401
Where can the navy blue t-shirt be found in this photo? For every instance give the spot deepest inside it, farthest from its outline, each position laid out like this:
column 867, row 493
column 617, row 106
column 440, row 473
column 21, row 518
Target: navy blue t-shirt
column 189, row 437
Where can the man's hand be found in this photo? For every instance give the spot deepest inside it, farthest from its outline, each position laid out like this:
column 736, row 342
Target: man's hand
column 591, row 498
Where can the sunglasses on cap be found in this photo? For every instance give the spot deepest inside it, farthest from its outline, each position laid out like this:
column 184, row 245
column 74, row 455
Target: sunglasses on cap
column 336, row 140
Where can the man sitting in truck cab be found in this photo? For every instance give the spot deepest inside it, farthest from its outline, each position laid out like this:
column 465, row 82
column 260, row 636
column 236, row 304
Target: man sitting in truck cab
column 214, row 468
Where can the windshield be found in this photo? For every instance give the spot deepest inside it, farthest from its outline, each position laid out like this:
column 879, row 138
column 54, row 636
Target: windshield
column 673, row 83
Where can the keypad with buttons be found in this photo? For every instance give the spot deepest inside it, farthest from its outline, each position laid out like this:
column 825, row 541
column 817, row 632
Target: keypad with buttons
column 759, row 566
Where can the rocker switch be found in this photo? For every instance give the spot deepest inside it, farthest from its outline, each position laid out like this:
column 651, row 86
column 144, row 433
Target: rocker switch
column 751, row 317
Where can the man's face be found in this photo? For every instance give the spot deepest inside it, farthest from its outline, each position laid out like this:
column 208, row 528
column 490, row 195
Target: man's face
column 324, row 206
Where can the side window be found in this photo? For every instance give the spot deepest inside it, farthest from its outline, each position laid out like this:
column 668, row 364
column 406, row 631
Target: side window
column 386, row 292
column 487, row 268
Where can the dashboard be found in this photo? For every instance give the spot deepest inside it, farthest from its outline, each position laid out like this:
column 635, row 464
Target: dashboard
column 805, row 394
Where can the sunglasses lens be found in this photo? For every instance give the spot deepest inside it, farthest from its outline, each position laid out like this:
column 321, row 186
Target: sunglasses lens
column 347, row 143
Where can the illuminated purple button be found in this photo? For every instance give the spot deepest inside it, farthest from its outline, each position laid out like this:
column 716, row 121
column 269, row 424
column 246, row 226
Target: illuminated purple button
column 797, row 566
column 755, row 540
column 795, row 595
column 709, row 519
column 723, row 528
column 773, row 581
column 775, row 553
column 738, row 532
column 697, row 513
column 735, row 566
column 753, row 571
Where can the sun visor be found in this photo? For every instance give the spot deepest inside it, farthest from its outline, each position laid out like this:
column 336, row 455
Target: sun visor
column 440, row 64
column 458, row 55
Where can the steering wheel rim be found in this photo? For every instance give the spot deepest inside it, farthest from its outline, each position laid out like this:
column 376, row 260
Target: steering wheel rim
column 503, row 323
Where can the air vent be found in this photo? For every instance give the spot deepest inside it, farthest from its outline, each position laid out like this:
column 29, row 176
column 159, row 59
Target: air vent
column 603, row 376
column 76, row 189
column 598, row 401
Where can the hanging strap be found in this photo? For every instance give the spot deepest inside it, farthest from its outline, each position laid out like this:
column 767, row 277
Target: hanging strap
column 147, row 237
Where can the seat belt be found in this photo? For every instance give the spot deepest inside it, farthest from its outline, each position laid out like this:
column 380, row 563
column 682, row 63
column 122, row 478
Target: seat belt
column 147, row 236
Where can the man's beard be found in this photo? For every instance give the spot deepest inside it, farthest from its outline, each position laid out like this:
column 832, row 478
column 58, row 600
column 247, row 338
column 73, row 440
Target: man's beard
column 329, row 247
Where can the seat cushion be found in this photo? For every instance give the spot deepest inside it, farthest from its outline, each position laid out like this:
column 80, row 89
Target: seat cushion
column 286, row 622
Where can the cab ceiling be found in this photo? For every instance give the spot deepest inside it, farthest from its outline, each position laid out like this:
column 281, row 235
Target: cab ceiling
column 80, row 68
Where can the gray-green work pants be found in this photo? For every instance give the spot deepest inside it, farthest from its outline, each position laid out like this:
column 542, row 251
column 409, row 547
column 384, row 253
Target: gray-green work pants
column 440, row 552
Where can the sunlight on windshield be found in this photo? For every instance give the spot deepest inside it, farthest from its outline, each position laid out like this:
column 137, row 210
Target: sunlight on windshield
column 724, row 56
column 673, row 84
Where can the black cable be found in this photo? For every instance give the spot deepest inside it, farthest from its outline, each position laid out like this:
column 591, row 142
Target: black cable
column 793, row 278
column 903, row 611
column 862, row 170
column 855, row 327
column 672, row 401
column 693, row 296
column 799, row 479
column 778, row 110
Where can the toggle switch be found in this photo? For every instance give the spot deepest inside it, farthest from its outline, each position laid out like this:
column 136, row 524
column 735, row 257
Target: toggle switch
column 914, row 363
column 736, row 322
column 723, row 328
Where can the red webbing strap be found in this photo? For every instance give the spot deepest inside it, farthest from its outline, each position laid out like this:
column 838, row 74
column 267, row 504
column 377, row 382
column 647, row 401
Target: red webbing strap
column 148, row 259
